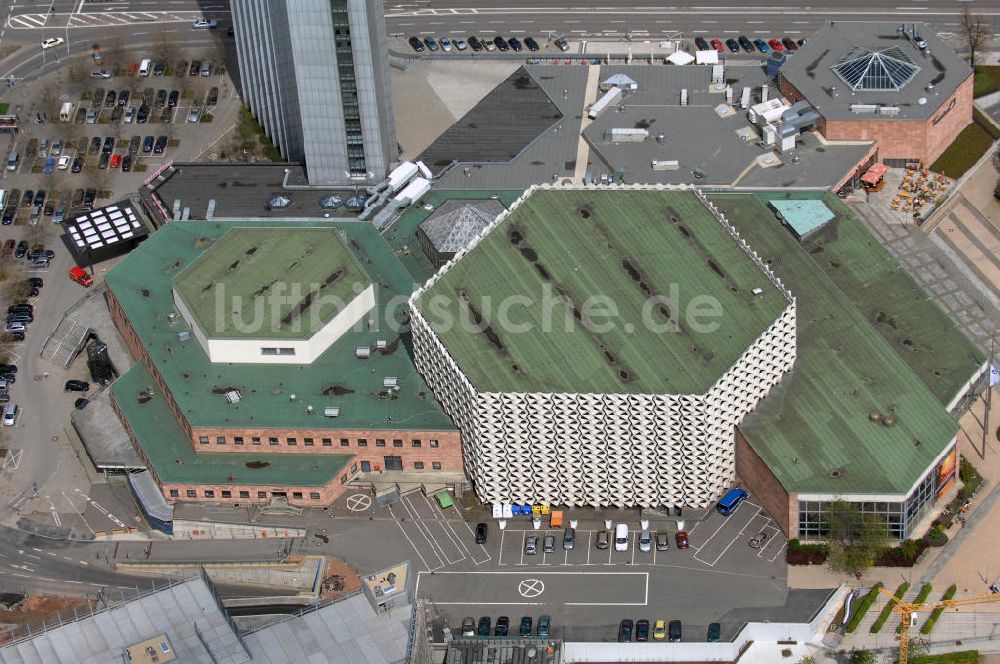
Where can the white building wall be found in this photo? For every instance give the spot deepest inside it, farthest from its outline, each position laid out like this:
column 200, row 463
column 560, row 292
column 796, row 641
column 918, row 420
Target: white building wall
column 606, row 449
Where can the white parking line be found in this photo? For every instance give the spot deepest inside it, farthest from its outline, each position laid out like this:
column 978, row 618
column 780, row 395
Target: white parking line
column 402, row 530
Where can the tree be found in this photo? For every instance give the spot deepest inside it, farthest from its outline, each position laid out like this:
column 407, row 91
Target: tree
column 855, row 538
column 114, row 51
column 977, row 30
column 863, row 657
column 166, row 50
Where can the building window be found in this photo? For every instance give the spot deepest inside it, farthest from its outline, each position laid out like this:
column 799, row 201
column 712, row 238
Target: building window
column 313, row 495
column 436, row 465
column 418, row 465
column 262, row 494
column 277, row 351
column 255, row 440
column 209, row 493
column 343, row 479
column 174, row 493
column 362, row 442
column 244, row 494
column 290, row 441
column 327, row 442
column 297, row 495
column 397, row 443
column 433, row 443
column 379, row 442
column 220, row 440
column 238, row 440
column 308, row 442
column 354, row 468
column 416, row 442
column 272, row 441
column 203, row 440
column 191, row 493
column 344, row 442
column 227, row 494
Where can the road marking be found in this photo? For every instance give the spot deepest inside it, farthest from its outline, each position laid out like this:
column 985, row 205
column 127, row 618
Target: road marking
column 426, row 566
column 530, row 588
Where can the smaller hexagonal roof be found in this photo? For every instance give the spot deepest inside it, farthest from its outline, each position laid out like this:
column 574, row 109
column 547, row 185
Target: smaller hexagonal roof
column 270, row 283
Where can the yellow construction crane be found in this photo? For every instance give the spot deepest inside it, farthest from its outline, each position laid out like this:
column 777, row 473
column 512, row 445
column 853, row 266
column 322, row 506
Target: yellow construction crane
column 906, row 610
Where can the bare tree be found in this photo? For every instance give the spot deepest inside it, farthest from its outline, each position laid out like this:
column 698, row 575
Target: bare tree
column 48, row 99
column 977, row 30
column 165, row 50
column 114, row 50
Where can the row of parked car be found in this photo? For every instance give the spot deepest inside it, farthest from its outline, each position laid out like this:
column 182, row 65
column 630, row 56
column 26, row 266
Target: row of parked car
column 661, row 630
column 498, row 43
column 602, row 539
column 745, row 44
column 502, row 628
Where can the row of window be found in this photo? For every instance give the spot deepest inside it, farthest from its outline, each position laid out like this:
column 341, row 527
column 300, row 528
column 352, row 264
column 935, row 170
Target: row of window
column 209, row 493
column 277, row 351
column 292, row 441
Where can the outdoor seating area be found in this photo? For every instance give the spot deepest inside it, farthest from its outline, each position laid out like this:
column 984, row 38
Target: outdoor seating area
column 920, row 186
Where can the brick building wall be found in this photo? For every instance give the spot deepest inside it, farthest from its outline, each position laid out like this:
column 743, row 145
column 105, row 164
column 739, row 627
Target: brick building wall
column 900, row 138
column 760, row 481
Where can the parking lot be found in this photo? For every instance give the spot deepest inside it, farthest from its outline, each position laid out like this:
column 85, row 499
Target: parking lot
column 588, row 590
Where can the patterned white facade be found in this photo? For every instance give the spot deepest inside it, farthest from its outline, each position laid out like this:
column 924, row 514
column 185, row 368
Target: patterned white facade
column 624, row 450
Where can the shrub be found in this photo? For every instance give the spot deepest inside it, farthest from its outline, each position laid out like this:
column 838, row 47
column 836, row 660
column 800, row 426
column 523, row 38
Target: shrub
column 904, row 555
column 971, row 479
column 883, row 617
column 206, row 117
column 929, row 625
column 936, row 536
column 863, row 606
column 806, row 554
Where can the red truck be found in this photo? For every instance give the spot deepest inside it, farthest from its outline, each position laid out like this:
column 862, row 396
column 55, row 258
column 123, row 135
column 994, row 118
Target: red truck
column 80, row 276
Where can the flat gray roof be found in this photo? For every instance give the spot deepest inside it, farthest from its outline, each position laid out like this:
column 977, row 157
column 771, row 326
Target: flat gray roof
column 810, row 70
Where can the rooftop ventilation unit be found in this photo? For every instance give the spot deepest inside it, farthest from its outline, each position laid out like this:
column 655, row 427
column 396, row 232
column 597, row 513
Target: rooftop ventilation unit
column 888, row 110
column 390, row 381
column 864, row 108
column 684, row 97
column 331, row 411
column 183, row 335
column 380, row 344
column 362, row 352
column 233, row 396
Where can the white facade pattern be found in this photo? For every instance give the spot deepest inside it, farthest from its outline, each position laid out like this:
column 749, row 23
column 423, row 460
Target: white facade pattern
column 624, row 450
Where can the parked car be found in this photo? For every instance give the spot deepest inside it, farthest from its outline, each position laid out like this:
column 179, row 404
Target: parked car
column 50, row 166
column 659, row 630
column 563, row 44
column 81, row 403
column 642, row 630
column 206, row 69
column 481, row 531
column 73, row 385
column 548, row 543
column 469, row 627
column 484, row 626
column 569, row 538
column 100, row 73
column 531, row 44
column 205, row 24
column 159, row 68
column 789, row 45
column 172, row 99
column 445, row 44
column 194, row 113
column 8, row 216
column 104, row 160
column 213, row 97
column 95, row 145
column 682, row 539
column 129, row 115
column 27, row 198
column 530, row 545
column 761, row 45
column 674, row 631
column 717, row 45
column 39, row 197
column 416, row 44
column 89, row 196
column 645, row 541
column 77, row 165
column 161, row 98
column 733, row 45
column 544, row 626
column 475, row 44
column 714, row 632
column 161, row 145
column 503, row 626
column 603, row 539
column 64, row 162
column 110, row 100
column 167, row 115
column 430, row 43
column 116, row 161
column 11, row 368
column 194, row 68
column 625, row 631
column 775, row 44
column 662, row 541
column 459, row 43
column 109, row 145
column 701, row 44
column 500, row 43
column 134, row 144
column 515, row 44
column 21, row 250
column 147, row 144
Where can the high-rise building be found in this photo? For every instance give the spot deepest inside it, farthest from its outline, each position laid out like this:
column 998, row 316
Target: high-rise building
column 315, row 73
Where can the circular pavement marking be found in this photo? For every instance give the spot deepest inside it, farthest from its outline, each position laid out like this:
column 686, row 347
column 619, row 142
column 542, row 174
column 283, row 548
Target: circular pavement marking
column 531, row 588
column 358, row 502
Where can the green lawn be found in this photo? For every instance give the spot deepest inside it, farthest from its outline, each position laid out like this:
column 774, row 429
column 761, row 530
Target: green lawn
column 987, row 80
column 964, row 152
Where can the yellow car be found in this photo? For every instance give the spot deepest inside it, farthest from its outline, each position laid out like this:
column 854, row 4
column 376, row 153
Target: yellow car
column 660, row 630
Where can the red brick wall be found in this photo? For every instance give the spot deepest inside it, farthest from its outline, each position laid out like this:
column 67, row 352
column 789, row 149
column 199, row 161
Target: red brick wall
column 416, row 445
column 898, row 138
column 326, row 494
column 759, row 479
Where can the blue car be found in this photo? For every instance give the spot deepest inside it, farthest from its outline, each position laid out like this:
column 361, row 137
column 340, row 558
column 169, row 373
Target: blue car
column 761, row 45
column 50, row 166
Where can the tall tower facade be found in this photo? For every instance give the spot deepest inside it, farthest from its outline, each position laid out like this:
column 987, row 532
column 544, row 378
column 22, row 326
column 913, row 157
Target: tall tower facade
column 315, row 73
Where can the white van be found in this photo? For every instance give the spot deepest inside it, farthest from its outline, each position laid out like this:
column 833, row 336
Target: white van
column 145, row 66
column 3, row 198
column 621, row 537
column 10, row 415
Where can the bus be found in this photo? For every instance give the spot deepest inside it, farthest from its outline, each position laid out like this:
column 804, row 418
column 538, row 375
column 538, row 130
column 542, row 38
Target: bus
column 731, row 501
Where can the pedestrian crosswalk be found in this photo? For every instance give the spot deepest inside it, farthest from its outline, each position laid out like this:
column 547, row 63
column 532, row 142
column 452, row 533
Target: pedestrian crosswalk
column 98, row 19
